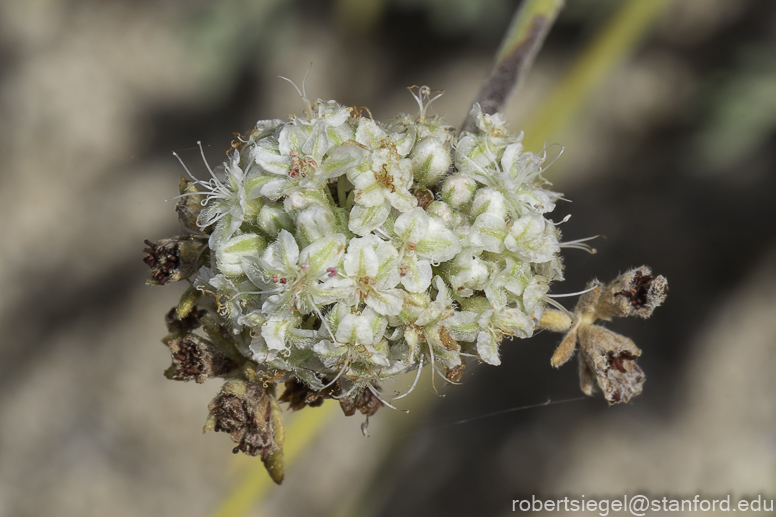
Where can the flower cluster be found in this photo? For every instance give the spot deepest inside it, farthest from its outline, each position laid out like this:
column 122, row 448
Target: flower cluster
column 352, row 250
column 335, row 252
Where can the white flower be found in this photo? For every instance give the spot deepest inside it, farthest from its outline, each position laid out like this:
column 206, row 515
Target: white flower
column 530, row 238
column 370, row 273
column 358, row 338
column 292, row 280
column 498, row 323
column 388, row 180
column 423, row 240
column 438, row 324
column 225, row 200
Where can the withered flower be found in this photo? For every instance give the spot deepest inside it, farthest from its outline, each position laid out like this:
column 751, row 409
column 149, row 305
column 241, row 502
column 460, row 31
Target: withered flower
column 364, row 401
column 607, row 360
column 299, row 395
column 173, row 259
column 194, row 358
column 455, row 373
column 249, row 413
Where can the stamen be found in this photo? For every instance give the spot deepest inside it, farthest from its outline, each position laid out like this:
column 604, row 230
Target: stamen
column 202, row 152
column 185, row 194
column 415, row 382
column 433, row 362
column 293, row 84
column 343, row 370
column 302, row 93
column 566, row 295
column 186, row 168
column 376, row 394
column 560, row 307
column 577, row 244
column 564, row 220
column 554, row 159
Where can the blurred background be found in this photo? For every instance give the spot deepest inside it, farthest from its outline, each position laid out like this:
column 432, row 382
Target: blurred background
column 669, row 127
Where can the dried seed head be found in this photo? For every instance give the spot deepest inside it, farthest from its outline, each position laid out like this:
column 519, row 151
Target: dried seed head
column 634, row 293
column 194, row 358
column 608, row 360
column 611, row 358
column 364, row 401
column 299, row 395
column 173, row 259
column 249, row 414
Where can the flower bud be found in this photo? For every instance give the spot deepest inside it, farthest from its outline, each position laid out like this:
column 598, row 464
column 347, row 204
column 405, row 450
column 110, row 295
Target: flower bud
column 442, row 211
column 315, row 223
column 458, row 190
column 231, row 254
column 430, row 161
column 468, row 273
column 272, row 218
column 489, row 201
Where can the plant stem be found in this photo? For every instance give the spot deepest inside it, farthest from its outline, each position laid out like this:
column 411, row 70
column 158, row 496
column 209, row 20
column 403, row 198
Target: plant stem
column 521, row 43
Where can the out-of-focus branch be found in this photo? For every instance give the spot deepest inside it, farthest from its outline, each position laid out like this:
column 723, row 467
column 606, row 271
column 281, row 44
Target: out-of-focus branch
column 522, row 42
column 255, row 482
column 613, row 43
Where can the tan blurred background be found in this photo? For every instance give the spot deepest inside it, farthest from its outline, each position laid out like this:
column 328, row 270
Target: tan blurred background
column 672, row 157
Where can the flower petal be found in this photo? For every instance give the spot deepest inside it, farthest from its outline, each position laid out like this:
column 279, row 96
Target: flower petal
column 487, row 347
column 411, row 226
column 387, row 302
column 439, row 244
column 323, row 254
column 355, row 329
column 361, row 260
column 416, row 274
column 488, row 233
column 363, row 220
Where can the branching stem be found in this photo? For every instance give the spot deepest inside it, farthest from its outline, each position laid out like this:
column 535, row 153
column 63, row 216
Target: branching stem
column 521, row 43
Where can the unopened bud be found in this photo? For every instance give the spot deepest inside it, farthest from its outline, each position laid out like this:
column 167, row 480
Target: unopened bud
column 272, row 218
column 458, row 190
column 430, row 161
